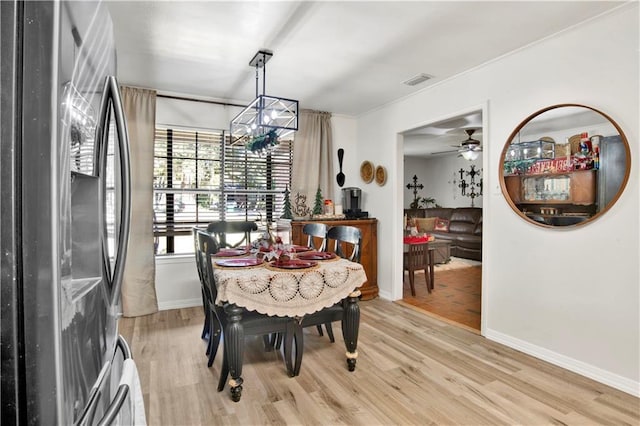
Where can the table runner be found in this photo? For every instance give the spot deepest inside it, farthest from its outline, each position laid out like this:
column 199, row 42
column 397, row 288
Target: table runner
column 292, row 293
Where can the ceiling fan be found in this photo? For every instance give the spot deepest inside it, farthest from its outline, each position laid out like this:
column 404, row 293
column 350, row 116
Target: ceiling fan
column 469, row 148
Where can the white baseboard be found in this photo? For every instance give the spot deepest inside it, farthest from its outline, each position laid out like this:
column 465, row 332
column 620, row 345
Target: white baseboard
column 384, row 295
column 603, row 376
column 178, row 304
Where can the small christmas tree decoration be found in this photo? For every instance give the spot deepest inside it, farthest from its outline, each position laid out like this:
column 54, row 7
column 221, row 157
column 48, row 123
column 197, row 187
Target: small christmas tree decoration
column 317, row 207
column 287, row 214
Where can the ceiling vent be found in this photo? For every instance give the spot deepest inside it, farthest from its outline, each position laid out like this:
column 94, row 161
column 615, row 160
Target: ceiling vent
column 420, row 78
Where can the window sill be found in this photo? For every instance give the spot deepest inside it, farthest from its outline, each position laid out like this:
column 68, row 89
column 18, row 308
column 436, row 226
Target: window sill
column 174, row 259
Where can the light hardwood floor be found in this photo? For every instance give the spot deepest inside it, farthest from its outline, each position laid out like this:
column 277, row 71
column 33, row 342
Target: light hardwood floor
column 457, row 295
column 412, row 369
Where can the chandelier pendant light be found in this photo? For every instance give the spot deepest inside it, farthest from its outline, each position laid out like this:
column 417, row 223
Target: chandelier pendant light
column 267, row 118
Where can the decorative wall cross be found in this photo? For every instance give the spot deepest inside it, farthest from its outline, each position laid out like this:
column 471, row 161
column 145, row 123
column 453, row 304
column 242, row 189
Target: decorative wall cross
column 415, row 187
column 468, row 189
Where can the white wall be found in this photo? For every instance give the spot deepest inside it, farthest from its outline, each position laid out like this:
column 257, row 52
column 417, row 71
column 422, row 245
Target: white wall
column 344, row 130
column 177, row 284
column 193, row 114
column 570, row 296
column 440, row 177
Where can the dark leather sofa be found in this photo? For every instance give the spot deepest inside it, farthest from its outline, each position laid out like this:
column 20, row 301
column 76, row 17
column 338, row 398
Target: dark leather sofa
column 465, row 229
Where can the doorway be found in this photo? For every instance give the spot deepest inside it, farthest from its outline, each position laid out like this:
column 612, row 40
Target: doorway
column 437, row 171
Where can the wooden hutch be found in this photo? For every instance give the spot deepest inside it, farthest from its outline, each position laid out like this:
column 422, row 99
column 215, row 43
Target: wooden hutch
column 369, row 249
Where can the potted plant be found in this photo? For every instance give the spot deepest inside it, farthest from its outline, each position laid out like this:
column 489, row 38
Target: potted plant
column 423, row 203
column 427, row 202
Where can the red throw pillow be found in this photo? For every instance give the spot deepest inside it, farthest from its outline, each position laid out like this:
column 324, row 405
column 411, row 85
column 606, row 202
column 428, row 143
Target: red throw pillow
column 441, row 225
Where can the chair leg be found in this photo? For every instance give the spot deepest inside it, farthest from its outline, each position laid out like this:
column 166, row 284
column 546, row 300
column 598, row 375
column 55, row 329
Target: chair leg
column 319, row 327
column 276, row 340
column 214, row 340
column 329, row 328
column 205, row 326
column 211, row 324
column 427, row 279
column 411, row 282
column 279, row 339
column 268, row 341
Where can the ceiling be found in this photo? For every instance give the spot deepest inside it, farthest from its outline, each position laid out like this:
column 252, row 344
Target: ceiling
column 337, row 56
column 443, row 137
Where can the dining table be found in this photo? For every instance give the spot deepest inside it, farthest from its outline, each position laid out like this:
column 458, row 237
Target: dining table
column 293, row 289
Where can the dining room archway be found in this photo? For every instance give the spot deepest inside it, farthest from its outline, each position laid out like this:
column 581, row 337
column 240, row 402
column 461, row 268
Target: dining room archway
column 436, row 145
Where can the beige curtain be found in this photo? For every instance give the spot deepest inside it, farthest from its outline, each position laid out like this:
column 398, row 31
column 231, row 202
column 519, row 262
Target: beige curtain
column 138, row 287
column 312, row 153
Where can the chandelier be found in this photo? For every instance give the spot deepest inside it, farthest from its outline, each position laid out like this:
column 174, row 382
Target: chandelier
column 267, row 118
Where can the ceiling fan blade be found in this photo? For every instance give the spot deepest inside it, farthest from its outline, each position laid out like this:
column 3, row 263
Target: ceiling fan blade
column 443, row 152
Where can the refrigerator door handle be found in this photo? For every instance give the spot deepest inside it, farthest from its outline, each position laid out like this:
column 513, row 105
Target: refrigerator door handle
column 111, row 92
column 124, row 347
column 122, row 393
column 123, row 140
column 114, row 407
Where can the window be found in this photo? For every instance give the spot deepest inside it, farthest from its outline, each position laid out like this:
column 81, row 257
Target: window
column 199, row 177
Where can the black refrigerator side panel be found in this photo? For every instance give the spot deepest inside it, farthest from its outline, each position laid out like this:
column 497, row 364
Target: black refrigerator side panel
column 39, row 227
column 12, row 394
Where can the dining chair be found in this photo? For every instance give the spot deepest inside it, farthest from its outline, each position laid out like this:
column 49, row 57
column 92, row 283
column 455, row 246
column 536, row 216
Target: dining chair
column 205, row 327
column 211, row 330
column 347, row 242
column 314, row 231
column 414, row 259
column 222, row 229
column 254, row 323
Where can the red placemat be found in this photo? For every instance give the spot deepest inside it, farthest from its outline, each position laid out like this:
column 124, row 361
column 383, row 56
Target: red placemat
column 316, row 255
column 230, row 253
column 239, row 263
column 293, row 264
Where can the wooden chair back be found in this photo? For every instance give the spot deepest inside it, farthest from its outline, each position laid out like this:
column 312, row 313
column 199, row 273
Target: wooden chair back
column 347, row 242
column 222, row 228
column 313, row 232
column 417, row 257
column 206, row 246
column 414, row 259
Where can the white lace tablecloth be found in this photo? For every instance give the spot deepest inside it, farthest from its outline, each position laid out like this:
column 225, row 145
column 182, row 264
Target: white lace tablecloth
column 292, row 293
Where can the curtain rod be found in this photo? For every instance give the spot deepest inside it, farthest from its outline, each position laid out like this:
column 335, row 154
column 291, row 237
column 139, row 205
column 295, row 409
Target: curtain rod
column 184, row 98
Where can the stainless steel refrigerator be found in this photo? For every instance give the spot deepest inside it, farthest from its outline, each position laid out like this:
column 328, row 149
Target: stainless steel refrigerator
column 613, row 165
column 64, row 217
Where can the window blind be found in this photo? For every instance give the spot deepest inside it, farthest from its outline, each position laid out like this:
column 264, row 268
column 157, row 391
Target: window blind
column 200, row 177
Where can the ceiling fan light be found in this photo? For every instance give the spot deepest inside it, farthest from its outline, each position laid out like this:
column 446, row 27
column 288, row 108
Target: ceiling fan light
column 470, row 155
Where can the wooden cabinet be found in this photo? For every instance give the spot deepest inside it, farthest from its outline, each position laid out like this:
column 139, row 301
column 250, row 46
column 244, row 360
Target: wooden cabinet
column 369, row 249
column 577, row 187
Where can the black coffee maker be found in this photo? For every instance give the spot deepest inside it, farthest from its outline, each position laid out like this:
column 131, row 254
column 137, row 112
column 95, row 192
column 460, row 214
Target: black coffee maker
column 351, row 198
